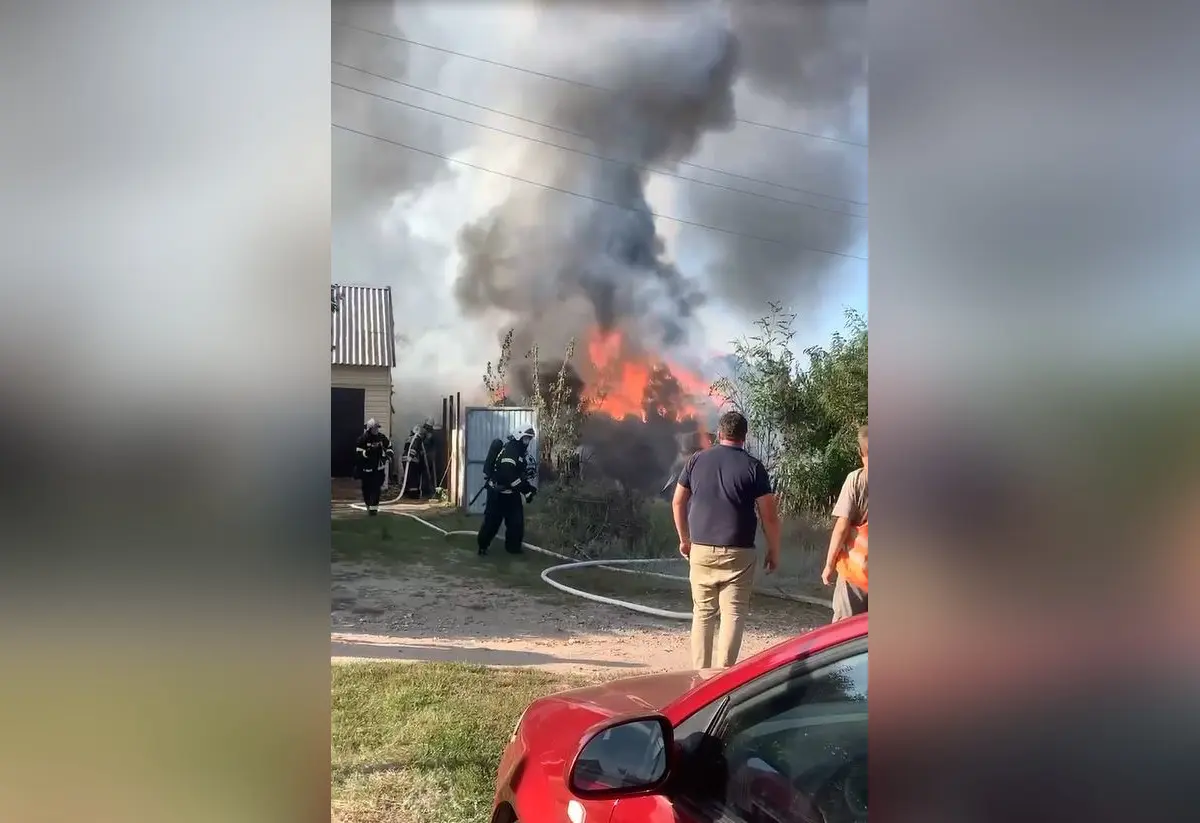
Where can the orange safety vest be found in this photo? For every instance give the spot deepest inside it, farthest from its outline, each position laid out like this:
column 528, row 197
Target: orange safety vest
column 852, row 565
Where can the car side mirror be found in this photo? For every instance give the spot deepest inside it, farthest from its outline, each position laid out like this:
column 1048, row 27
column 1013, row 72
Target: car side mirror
column 625, row 758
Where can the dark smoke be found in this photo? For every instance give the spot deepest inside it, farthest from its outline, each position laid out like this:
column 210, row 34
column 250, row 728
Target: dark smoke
column 559, row 264
column 367, row 173
column 810, row 53
column 810, row 56
column 802, row 63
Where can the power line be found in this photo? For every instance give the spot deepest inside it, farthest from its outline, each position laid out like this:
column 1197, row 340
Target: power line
column 581, row 196
column 596, row 156
column 580, row 83
column 591, row 139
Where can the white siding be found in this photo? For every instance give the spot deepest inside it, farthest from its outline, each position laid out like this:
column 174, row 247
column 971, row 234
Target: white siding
column 377, row 385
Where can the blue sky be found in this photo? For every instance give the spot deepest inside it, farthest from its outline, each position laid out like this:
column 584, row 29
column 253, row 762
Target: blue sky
column 844, row 286
column 849, row 291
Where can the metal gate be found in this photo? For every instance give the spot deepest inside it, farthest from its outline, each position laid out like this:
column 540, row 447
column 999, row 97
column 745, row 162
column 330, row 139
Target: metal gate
column 482, row 425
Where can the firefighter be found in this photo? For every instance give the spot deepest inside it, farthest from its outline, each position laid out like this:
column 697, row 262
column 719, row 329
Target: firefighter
column 508, row 489
column 418, row 465
column 374, row 450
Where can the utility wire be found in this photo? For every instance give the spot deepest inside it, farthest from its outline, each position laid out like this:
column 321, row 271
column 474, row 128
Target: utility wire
column 591, row 139
column 580, row 83
column 597, row 156
column 581, row 196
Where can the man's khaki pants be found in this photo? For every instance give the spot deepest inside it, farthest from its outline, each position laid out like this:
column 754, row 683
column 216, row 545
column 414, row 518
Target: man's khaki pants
column 722, row 579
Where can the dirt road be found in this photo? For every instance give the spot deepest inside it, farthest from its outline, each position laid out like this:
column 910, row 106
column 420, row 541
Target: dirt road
column 426, row 614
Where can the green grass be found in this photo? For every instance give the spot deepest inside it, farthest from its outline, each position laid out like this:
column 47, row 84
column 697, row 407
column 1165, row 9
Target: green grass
column 402, row 543
column 420, row 742
column 803, row 552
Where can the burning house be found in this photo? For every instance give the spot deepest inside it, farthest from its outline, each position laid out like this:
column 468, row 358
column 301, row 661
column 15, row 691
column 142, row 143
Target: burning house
column 577, row 254
column 646, row 414
column 558, row 265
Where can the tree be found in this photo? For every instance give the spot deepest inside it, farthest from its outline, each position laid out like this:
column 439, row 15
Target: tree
column 830, row 404
column 555, row 396
column 762, row 384
column 803, row 417
column 560, row 409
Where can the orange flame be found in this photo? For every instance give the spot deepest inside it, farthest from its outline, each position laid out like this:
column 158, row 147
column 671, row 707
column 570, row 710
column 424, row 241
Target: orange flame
column 625, row 383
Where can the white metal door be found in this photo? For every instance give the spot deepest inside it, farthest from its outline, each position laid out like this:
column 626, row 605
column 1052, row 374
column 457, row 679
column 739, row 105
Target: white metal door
column 482, row 425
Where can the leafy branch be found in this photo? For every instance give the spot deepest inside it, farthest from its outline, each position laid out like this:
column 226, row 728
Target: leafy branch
column 560, row 409
column 495, row 379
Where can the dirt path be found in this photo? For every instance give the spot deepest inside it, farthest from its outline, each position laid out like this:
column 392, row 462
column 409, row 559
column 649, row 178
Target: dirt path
column 430, row 616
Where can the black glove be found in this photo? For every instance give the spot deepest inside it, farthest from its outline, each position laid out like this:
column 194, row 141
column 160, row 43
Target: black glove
column 530, row 495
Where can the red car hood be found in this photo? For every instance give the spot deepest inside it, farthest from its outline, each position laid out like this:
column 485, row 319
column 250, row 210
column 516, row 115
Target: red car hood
column 559, row 719
column 635, row 695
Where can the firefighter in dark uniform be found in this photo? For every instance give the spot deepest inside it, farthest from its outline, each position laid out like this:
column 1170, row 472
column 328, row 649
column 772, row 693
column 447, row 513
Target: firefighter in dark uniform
column 374, row 450
column 508, row 489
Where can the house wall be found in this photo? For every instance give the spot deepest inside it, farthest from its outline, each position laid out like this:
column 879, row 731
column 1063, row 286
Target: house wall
column 376, row 381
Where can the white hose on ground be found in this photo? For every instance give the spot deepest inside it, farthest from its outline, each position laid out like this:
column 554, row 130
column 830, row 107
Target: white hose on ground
column 606, row 565
column 612, row 601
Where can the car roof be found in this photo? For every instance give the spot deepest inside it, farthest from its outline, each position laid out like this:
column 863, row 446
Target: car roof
column 785, row 653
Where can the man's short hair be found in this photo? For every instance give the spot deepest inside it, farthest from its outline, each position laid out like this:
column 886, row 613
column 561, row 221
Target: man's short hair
column 733, row 427
column 862, row 437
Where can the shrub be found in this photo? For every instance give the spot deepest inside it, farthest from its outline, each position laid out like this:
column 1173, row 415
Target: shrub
column 596, row 520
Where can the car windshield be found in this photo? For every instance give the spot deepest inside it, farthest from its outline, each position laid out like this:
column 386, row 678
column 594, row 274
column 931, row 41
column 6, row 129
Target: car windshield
column 799, row 750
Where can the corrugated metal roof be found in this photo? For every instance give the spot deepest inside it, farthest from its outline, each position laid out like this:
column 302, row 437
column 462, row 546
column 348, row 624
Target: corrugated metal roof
column 363, row 326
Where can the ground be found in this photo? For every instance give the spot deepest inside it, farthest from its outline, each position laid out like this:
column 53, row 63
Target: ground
column 401, row 591
column 420, row 743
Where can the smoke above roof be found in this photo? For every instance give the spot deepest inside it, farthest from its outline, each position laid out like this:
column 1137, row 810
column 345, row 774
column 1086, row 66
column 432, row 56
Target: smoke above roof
column 651, row 82
column 654, row 86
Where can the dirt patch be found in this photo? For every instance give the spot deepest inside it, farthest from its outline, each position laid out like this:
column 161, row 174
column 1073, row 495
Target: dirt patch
column 426, row 613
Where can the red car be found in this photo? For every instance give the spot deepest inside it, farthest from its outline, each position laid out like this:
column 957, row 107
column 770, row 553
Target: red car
column 779, row 738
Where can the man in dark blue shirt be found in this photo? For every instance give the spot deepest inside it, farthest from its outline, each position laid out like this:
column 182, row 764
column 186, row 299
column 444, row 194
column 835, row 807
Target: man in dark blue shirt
column 721, row 494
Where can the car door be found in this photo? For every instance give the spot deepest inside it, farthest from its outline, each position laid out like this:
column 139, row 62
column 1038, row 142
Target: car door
column 787, row 747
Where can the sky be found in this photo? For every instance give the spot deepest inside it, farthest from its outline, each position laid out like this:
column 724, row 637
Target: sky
column 398, row 212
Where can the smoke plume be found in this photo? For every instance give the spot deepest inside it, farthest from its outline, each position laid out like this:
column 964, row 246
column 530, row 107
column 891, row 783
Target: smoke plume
column 560, row 264
column 808, row 53
column 803, row 67
column 659, row 86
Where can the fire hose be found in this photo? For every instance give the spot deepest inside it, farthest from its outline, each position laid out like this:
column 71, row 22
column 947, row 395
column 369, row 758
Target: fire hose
column 606, row 565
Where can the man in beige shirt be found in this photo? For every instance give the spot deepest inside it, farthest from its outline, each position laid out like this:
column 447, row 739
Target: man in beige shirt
column 848, row 542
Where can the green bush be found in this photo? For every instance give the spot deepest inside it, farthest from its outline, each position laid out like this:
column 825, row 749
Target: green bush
column 597, row 520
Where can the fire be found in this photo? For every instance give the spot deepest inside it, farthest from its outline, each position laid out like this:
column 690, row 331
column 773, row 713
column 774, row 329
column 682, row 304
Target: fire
column 625, row 383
